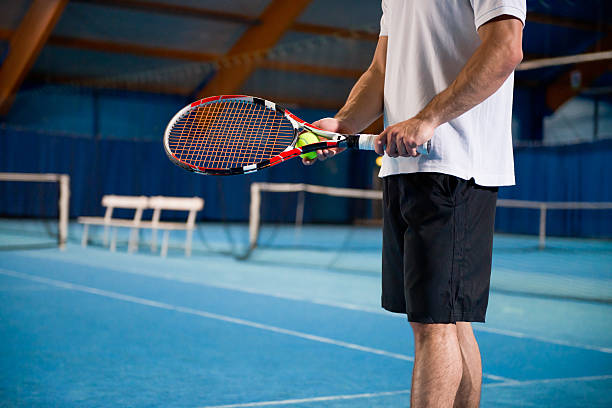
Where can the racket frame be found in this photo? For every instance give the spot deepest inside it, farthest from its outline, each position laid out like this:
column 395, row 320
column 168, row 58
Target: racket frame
column 362, row 142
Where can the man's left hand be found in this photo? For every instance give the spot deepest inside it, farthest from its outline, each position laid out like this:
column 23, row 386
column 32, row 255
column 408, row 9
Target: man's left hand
column 403, row 138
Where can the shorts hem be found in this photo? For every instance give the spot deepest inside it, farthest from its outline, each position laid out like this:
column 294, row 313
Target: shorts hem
column 394, row 309
column 449, row 320
column 472, row 317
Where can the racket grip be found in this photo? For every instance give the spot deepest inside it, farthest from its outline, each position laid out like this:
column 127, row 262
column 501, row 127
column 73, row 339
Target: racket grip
column 366, row 142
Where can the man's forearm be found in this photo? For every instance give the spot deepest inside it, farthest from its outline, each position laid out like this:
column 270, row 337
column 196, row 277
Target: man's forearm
column 365, row 102
column 483, row 74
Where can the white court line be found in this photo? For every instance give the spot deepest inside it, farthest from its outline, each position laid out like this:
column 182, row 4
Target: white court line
column 391, row 393
column 188, row 310
column 348, row 306
column 506, row 382
column 359, row 308
column 379, row 311
column 551, row 381
column 313, row 399
column 520, row 335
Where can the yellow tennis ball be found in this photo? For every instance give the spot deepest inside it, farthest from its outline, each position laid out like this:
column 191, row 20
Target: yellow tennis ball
column 379, row 161
column 308, row 138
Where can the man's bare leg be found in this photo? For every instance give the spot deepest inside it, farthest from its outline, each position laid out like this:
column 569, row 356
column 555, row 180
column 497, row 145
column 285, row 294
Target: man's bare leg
column 437, row 365
column 468, row 394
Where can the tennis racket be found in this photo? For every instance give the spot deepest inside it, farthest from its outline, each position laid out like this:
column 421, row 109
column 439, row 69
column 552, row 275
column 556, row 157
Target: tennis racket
column 240, row 134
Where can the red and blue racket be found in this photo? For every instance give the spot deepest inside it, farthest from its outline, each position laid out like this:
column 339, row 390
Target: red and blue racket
column 240, row 134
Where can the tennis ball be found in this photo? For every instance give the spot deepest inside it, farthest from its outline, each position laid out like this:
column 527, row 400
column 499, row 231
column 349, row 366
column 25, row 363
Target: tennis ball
column 308, row 138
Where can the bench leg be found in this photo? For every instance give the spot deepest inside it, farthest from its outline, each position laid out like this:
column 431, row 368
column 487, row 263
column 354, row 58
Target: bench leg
column 188, row 243
column 133, row 243
column 153, row 239
column 137, row 239
column 113, row 244
column 85, row 233
column 164, row 249
column 105, row 236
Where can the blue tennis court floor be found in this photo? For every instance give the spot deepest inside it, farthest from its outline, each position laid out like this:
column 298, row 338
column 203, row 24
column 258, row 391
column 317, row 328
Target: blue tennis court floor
column 88, row 327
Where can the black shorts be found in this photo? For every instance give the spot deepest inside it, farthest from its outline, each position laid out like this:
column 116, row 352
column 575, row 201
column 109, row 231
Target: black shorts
column 437, row 244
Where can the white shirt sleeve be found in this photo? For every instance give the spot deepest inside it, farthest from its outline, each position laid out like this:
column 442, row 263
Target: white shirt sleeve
column 383, row 24
column 485, row 10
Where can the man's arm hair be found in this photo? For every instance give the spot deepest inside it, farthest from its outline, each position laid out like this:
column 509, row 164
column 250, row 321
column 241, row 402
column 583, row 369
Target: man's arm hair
column 365, row 102
column 486, row 70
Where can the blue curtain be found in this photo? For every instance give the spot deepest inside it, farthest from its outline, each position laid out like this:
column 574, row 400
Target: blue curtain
column 581, row 172
column 106, row 166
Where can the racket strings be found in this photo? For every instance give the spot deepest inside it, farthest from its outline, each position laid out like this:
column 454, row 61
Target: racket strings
column 225, row 130
column 229, row 134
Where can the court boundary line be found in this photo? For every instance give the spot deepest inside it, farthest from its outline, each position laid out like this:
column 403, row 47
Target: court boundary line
column 297, row 401
column 347, row 306
column 187, row 310
column 521, row 383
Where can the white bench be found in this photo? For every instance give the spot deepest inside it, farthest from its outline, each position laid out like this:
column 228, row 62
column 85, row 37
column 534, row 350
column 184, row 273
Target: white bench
column 159, row 203
column 136, row 203
column 140, row 203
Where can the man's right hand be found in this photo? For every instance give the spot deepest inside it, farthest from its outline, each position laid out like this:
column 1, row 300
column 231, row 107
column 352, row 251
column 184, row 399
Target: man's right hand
column 403, row 138
column 332, row 125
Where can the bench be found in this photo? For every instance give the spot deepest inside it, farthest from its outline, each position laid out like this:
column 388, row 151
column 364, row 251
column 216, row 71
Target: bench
column 140, row 203
column 136, row 203
column 158, row 203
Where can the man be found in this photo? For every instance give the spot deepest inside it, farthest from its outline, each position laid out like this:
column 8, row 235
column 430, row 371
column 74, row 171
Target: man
column 442, row 73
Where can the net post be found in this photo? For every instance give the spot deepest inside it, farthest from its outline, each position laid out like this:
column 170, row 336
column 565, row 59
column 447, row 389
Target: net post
column 542, row 233
column 64, row 210
column 254, row 214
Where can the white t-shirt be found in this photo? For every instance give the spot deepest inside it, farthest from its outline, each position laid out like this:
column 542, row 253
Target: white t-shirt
column 429, row 42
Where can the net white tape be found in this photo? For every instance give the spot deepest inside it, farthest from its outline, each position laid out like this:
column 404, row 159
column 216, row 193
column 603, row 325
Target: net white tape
column 258, row 188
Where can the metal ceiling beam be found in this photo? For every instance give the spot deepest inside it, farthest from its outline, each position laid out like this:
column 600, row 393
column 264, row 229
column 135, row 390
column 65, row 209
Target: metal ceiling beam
column 186, row 55
column 122, row 48
column 196, row 56
column 228, row 16
column 566, row 86
column 299, row 102
column 277, row 18
column 312, row 69
column 233, row 17
column 335, row 31
column 164, row 8
column 132, row 49
column 25, row 45
column 175, row 9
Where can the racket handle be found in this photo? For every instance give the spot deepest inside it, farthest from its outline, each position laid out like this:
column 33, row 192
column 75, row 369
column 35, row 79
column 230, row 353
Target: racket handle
column 366, row 142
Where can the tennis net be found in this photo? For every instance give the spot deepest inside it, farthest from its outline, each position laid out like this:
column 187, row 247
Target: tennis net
column 34, row 210
column 538, row 265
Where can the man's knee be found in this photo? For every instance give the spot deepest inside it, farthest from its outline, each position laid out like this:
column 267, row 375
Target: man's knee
column 424, row 332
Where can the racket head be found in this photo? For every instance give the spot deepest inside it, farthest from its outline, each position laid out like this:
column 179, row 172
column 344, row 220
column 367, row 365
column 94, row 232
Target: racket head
column 231, row 134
